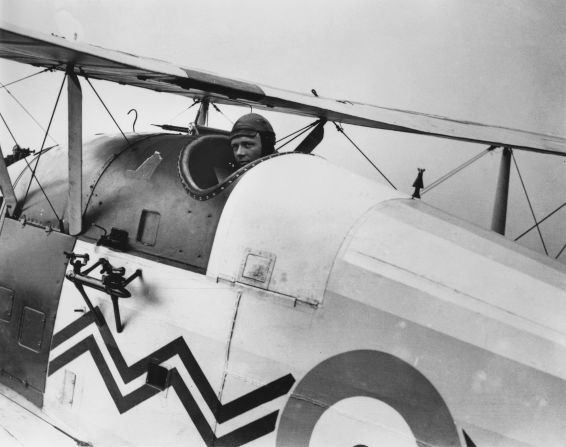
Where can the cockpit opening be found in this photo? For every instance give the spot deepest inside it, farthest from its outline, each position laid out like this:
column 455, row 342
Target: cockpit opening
column 207, row 166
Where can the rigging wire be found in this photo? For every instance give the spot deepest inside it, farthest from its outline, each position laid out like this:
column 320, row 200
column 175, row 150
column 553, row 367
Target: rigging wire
column 27, row 112
column 100, row 99
column 29, row 76
column 221, row 112
column 8, row 127
column 539, row 222
column 560, row 252
column 457, row 169
column 296, row 131
column 20, row 175
column 33, row 176
column 42, row 190
column 529, row 201
column 183, row 111
column 340, row 129
column 301, row 132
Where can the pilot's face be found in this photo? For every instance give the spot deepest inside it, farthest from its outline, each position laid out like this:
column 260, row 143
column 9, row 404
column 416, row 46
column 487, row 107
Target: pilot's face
column 246, row 149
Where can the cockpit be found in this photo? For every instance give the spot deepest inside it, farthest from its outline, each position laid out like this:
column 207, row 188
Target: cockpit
column 156, row 195
column 207, row 166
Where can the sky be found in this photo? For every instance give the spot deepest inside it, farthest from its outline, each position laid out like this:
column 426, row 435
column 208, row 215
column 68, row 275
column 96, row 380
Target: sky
column 497, row 62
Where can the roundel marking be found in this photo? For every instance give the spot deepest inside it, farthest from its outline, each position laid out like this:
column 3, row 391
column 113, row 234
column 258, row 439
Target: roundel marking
column 373, row 374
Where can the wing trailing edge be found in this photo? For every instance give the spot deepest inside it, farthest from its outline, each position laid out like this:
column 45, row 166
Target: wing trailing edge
column 33, row 48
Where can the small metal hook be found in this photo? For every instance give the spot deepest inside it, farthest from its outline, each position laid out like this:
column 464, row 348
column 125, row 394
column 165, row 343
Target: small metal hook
column 98, row 226
column 135, row 119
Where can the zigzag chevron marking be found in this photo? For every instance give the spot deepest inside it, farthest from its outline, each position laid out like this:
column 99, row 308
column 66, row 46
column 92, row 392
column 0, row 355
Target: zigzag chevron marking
column 123, row 403
column 222, row 412
column 240, row 436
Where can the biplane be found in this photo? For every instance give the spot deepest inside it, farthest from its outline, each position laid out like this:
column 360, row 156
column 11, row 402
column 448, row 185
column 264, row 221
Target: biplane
column 143, row 301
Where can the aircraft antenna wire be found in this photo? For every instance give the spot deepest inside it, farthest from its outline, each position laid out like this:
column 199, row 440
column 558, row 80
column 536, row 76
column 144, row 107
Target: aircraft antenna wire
column 104, row 105
column 457, row 169
column 8, row 127
column 529, row 202
column 27, row 112
column 539, row 222
column 340, row 129
column 33, row 176
column 298, row 134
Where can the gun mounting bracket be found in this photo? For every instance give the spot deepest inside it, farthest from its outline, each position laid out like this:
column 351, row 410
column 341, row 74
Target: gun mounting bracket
column 111, row 282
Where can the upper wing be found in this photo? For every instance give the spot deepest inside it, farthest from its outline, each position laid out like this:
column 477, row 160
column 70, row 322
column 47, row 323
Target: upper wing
column 33, row 48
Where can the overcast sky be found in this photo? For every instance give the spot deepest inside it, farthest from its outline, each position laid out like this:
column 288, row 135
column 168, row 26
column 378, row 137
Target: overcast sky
column 499, row 62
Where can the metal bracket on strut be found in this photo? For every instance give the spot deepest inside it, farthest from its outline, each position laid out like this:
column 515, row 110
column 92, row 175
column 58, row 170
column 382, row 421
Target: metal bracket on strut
column 112, row 282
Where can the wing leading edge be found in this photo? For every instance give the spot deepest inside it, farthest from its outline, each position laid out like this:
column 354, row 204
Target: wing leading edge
column 28, row 47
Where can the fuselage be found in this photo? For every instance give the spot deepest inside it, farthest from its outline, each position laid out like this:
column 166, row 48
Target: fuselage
column 301, row 305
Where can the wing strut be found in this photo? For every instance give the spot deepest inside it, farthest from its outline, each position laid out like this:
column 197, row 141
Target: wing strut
column 6, row 186
column 75, row 135
column 202, row 114
column 499, row 217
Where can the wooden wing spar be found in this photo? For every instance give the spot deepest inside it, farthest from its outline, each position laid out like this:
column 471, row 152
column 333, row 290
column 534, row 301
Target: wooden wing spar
column 29, row 47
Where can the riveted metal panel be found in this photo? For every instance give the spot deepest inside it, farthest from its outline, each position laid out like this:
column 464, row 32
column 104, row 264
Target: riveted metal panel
column 163, row 222
column 32, row 269
column 133, row 186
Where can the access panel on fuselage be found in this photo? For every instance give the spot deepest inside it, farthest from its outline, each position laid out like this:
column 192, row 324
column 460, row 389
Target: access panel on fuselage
column 140, row 192
column 32, row 268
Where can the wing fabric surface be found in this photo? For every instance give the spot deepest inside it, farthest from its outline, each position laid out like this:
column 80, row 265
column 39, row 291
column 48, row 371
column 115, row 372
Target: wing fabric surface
column 38, row 49
column 20, row 427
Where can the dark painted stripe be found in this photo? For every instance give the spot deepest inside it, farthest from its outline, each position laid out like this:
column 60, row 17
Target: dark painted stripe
column 72, row 329
column 255, row 398
column 221, row 412
column 240, row 436
column 191, row 407
column 123, row 403
column 249, row 432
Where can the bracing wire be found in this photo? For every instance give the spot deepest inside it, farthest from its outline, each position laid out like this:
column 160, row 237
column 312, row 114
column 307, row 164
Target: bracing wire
column 298, row 134
column 8, row 127
column 27, row 77
column 221, row 112
column 297, row 131
column 529, row 202
column 341, row 130
column 27, row 112
column 100, row 99
column 560, row 252
column 20, row 175
column 42, row 190
column 539, row 222
column 456, row 170
column 182, row 111
column 33, row 176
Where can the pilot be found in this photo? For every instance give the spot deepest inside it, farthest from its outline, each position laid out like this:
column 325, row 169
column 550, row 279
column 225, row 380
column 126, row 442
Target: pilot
column 252, row 137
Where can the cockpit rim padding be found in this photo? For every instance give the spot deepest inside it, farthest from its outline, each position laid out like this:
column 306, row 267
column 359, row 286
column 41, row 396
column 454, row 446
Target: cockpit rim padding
column 188, row 181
